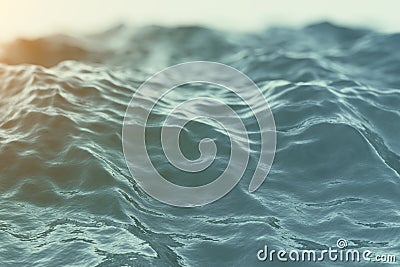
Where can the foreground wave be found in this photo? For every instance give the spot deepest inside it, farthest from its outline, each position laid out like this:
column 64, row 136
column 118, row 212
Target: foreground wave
column 67, row 196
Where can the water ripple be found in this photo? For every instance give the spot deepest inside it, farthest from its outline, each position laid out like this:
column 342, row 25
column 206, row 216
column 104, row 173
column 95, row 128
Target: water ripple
column 67, row 197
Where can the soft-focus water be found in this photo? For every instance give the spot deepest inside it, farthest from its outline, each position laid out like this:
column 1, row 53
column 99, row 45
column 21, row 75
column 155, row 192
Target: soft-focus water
column 67, row 197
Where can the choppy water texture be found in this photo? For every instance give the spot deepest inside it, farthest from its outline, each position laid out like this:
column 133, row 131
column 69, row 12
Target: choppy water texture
column 67, row 197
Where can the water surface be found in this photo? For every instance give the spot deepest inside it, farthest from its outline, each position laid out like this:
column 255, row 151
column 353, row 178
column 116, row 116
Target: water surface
column 67, row 197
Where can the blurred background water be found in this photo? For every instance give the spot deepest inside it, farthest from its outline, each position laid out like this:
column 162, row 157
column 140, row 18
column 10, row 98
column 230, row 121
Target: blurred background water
column 67, row 197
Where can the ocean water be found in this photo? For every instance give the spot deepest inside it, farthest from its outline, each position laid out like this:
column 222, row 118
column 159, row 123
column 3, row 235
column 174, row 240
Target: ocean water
column 68, row 199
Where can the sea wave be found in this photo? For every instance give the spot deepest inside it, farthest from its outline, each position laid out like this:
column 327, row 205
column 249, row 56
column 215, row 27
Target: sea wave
column 68, row 198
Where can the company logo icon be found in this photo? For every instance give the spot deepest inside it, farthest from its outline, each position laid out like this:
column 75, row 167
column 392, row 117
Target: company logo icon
column 137, row 122
column 341, row 243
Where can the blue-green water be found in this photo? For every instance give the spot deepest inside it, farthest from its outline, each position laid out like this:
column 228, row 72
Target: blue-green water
column 67, row 197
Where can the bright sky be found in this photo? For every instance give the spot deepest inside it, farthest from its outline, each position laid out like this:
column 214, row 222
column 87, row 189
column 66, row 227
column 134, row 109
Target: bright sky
column 38, row 17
